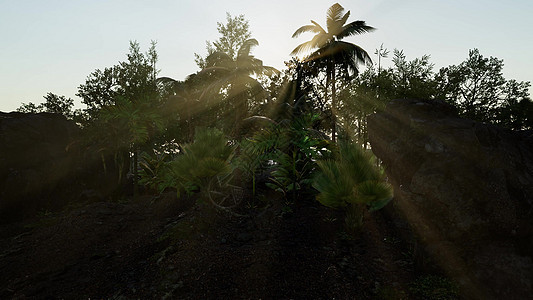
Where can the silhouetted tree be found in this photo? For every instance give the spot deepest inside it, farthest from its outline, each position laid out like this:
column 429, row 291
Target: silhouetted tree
column 132, row 79
column 333, row 52
column 235, row 79
column 480, row 92
column 53, row 104
column 233, row 35
column 372, row 89
column 123, row 103
column 516, row 111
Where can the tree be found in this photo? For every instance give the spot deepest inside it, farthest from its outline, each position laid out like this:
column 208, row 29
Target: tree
column 381, row 52
column 412, row 79
column 516, row 111
column 181, row 102
column 53, row 104
column 480, row 92
column 233, row 35
column 333, row 52
column 234, row 78
column 132, row 79
column 374, row 88
column 131, row 123
column 123, row 103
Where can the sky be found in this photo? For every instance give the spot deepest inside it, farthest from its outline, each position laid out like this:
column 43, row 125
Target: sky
column 53, row 45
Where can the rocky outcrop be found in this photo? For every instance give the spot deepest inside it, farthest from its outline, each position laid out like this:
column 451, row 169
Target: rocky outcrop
column 466, row 189
column 42, row 165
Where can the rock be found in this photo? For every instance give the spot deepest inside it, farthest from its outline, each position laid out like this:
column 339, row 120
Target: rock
column 43, row 165
column 466, row 189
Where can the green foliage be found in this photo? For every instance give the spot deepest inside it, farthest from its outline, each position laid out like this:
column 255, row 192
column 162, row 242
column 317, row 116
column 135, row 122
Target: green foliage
column 351, row 181
column 155, row 171
column 131, row 122
column 233, row 34
column 332, row 53
column 297, row 147
column 254, row 154
column 207, row 158
column 53, row 104
column 480, row 92
column 476, row 87
column 132, row 79
column 233, row 80
column 123, row 106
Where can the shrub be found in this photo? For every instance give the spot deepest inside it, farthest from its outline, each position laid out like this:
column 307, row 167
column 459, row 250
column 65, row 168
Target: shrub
column 351, row 181
column 204, row 166
column 203, row 160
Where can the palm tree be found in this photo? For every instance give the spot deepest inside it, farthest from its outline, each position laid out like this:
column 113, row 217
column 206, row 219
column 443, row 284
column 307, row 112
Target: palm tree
column 333, row 52
column 235, row 77
column 129, row 124
column 182, row 101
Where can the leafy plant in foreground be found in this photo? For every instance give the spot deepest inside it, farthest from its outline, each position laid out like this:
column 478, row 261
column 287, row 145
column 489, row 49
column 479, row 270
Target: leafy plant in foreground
column 297, row 149
column 205, row 166
column 253, row 157
column 155, row 171
column 207, row 157
column 351, row 181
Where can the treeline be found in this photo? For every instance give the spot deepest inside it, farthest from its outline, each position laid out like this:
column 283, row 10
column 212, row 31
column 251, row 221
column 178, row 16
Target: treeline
column 283, row 121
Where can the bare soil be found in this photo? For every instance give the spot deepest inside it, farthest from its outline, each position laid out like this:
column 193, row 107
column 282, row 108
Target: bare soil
column 168, row 249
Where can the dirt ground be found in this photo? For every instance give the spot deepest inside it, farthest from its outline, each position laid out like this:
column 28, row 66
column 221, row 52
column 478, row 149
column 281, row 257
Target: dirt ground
column 166, row 249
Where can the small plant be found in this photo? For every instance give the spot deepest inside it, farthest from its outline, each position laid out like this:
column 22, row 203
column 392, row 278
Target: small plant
column 295, row 157
column 207, row 157
column 351, row 181
column 205, row 166
column 155, row 173
column 253, row 156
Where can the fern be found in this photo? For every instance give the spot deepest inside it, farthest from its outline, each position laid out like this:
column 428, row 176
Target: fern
column 351, row 181
column 207, row 157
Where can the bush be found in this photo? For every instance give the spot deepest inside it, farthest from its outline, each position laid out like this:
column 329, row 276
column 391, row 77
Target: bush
column 203, row 160
column 204, row 166
column 353, row 182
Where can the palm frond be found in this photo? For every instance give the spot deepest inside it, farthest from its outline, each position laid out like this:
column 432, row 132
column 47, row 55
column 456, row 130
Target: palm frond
column 357, row 162
column 270, row 71
column 351, row 178
column 211, row 166
column 354, row 28
column 165, row 80
column 219, row 59
column 334, row 187
column 344, row 19
column 303, row 47
column 260, row 119
column 307, row 28
column 334, row 16
column 320, row 28
column 246, row 47
column 373, row 193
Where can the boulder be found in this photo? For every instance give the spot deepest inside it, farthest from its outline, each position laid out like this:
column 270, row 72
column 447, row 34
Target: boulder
column 43, row 165
column 466, row 189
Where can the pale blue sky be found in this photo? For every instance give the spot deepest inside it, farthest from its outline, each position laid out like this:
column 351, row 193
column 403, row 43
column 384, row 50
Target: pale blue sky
column 52, row 45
